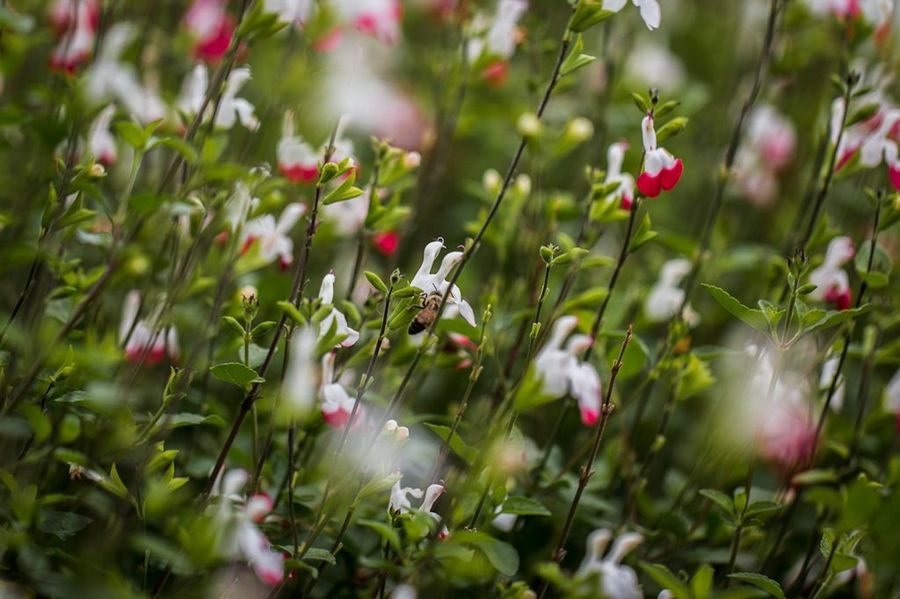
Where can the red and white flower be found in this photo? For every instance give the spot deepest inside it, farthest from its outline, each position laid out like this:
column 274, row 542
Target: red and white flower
column 337, row 404
column 212, row 28
column 300, row 378
column 271, row 236
column 142, row 338
column 768, row 148
column 294, row 12
column 231, row 108
column 296, row 159
column 101, row 143
column 561, row 372
column 662, row 171
column 615, row 156
column 495, row 39
column 377, row 18
column 650, row 11
column 76, row 22
column 437, row 283
column 830, row 279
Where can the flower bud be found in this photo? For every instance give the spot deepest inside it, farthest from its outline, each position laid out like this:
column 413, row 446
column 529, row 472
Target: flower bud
column 97, row 170
column 579, row 129
column 412, row 160
column 491, row 181
column 523, row 184
column 248, row 293
column 529, row 125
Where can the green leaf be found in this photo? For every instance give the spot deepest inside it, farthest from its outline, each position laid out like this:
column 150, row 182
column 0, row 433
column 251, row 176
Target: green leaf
column 575, row 60
column 834, row 318
column 291, row 311
column 502, row 556
column 459, row 447
column 186, row 419
column 235, row 373
column 758, row 580
column 379, row 485
column 643, row 235
column 758, row 508
column 814, row 477
column 751, row 317
column 524, row 506
column 720, row 499
column 671, row 129
column 234, row 325
column 319, row 554
column 132, row 133
column 701, row 583
column 879, row 275
column 667, row 579
column 62, row 524
column 37, row 420
column 179, row 145
column 344, row 191
column 73, row 217
column 588, row 14
column 376, row 281
column 386, row 532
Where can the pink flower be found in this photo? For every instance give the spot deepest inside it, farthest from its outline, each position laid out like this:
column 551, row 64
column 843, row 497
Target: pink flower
column 143, row 342
column 271, row 236
column 76, row 22
column 787, row 433
column 386, row 242
column 831, row 281
column 212, row 28
column 377, row 18
column 561, row 371
column 337, row 405
column 296, row 159
column 768, row 148
column 662, row 171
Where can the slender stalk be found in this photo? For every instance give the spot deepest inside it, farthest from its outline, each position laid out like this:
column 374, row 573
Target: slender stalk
column 587, row 469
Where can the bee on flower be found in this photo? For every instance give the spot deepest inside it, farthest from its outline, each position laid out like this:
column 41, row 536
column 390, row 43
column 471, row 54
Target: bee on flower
column 437, row 283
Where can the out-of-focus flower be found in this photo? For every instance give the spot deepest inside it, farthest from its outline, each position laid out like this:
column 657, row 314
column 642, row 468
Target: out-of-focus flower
column 650, row 11
column 561, row 371
column 76, row 22
column 144, row 342
column 661, row 170
column 295, row 12
column 830, row 279
column 212, row 28
column 231, row 108
column 348, row 216
column 876, row 13
column 829, row 370
column 243, row 538
column 494, row 39
column 111, row 78
column 326, row 297
column 377, row 18
column 337, row 405
column 768, row 148
column 296, row 159
column 404, row 591
column 238, row 206
column 437, row 283
column 892, row 398
column 617, row 581
column 651, row 64
column 300, row 378
column 101, row 143
column 386, row 242
column 665, row 297
column 615, row 156
column 400, row 503
column 273, row 237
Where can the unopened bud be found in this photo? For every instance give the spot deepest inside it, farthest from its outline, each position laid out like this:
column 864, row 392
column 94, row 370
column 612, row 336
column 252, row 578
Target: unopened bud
column 529, row 125
column 412, row 160
column 248, row 293
column 97, row 170
column 491, row 181
column 579, row 129
column 523, row 184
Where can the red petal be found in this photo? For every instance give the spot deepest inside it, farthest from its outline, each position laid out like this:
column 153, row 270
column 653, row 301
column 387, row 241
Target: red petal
column 670, row 177
column 648, row 185
column 894, row 173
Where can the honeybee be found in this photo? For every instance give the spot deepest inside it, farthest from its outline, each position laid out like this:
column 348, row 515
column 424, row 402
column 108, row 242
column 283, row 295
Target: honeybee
column 427, row 315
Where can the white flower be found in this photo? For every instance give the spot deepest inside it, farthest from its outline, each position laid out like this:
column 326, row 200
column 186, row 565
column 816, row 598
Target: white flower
column 296, row 159
column 651, row 64
column 299, row 387
column 243, row 537
column 109, row 77
column 151, row 345
column 665, row 297
column 239, row 206
column 501, row 36
column 650, row 11
column 437, row 283
column 615, row 156
column 561, row 372
column 831, row 281
column 326, row 297
column 616, row 580
column 404, row 591
column 662, row 171
column 892, row 397
column 193, row 91
column 101, row 143
column 337, row 405
column 231, row 108
column 272, row 237
column 290, row 11
column 399, row 501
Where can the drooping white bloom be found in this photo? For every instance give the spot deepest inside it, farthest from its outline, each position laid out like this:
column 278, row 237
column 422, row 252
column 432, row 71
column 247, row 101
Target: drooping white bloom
column 499, row 34
column 271, row 236
column 662, row 171
column 296, row 159
column 437, row 282
column 101, row 143
column 335, row 318
column 650, row 11
column 666, row 296
column 615, row 156
column 617, row 581
column 561, row 372
column 243, row 538
column 300, row 378
column 399, row 501
column 830, row 279
column 112, row 78
column 143, row 342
